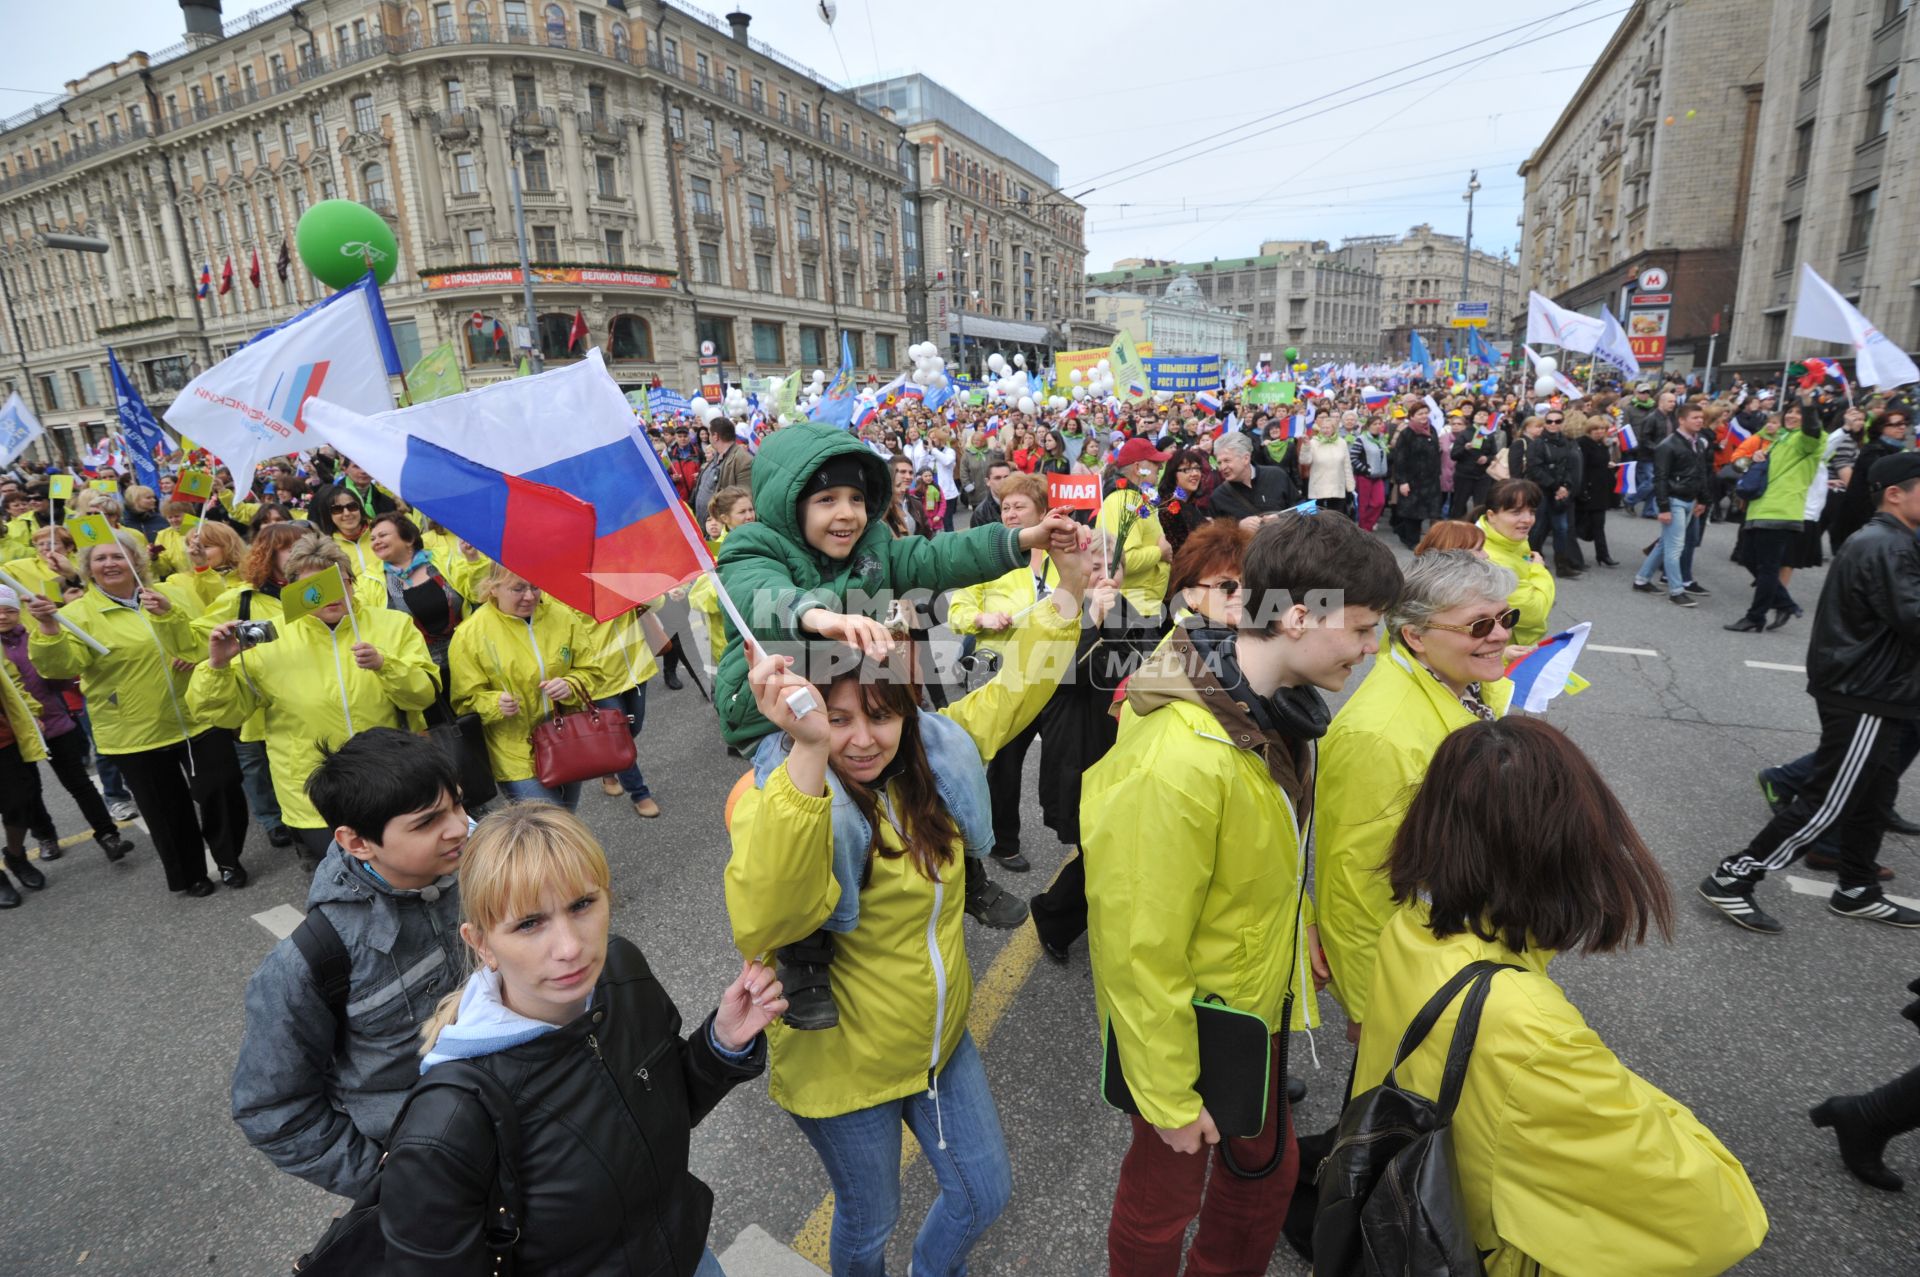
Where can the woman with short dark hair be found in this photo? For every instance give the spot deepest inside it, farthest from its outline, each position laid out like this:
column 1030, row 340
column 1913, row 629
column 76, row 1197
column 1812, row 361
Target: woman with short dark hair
column 1567, row 1161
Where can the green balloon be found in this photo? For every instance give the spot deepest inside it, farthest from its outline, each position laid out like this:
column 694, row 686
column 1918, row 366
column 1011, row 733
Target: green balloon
column 339, row 239
column 1293, row 352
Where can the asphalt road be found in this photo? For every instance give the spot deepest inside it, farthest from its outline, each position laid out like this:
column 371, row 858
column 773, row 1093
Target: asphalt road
column 121, row 1005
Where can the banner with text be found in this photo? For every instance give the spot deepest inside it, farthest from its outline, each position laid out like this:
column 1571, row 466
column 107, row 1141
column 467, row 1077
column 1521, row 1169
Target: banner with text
column 1184, row 374
column 1073, row 492
column 1067, row 361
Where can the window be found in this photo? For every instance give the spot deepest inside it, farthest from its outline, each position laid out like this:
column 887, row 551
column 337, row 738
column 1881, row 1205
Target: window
column 286, row 138
column 709, row 262
column 760, row 152
column 813, row 345
column 596, row 97
column 1880, row 95
column 719, row 331
column 1891, row 9
column 803, row 222
column 476, row 245
column 880, row 256
column 676, row 123
column 443, row 22
column 603, row 176
column 456, row 96
column 556, row 26
column 466, row 174
column 632, row 338
column 766, row 343
column 702, row 195
column 707, row 134
column 316, row 129
column 732, row 78
column 852, row 339
column 526, row 93
column 406, row 341
column 589, row 31
column 535, row 163
column 843, row 236
column 50, row 386
column 786, row 161
column 756, row 209
column 373, row 184
column 847, row 286
column 1816, row 48
column 363, row 114
column 616, row 249
column 1802, row 151
column 1860, row 211
column 670, row 52
column 809, row 281
column 554, row 330
column 84, row 388
column 270, row 205
column 488, row 343
column 516, row 12
column 763, row 272
column 246, row 222
column 883, row 350
column 260, row 146
column 546, row 243
column 1789, row 245
column 739, row 147
column 700, row 67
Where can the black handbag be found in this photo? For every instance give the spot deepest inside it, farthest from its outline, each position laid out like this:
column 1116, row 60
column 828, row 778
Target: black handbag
column 464, row 740
column 1236, row 1055
column 355, row 1246
column 1389, row 1193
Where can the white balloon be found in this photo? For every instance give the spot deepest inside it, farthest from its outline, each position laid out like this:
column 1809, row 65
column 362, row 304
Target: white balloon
column 1545, row 387
column 1079, row 392
column 1019, row 360
column 1102, row 365
column 1027, row 406
column 996, row 363
column 819, row 376
column 1547, row 364
column 939, row 364
column 1076, row 376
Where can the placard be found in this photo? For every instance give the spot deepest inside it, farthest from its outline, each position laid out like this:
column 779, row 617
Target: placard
column 1073, row 492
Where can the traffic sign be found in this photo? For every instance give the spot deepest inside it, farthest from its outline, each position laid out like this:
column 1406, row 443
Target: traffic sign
column 1472, row 314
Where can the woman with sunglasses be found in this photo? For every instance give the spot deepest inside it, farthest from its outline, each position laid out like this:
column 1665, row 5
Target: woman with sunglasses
column 1440, row 667
column 343, row 516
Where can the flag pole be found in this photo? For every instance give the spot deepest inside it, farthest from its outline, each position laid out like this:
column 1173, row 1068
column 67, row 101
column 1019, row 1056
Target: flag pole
column 61, row 617
column 346, row 595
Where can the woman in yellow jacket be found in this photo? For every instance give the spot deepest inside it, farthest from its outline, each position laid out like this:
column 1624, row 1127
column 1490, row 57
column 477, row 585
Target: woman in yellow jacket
column 1434, row 674
column 1144, row 553
column 51, row 572
column 212, row 553
column 1512, row 507
column 1568, row 1162
column 324, row 677
column 136, row 699
column 623, row 656
column 340, row 514
column 510, row 663
column 727, row 509
column 900, row 1052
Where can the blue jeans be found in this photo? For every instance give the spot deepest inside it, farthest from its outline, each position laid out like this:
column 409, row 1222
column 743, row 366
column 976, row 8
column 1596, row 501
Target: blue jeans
column 112, row 787
column 256, row 779
column 532, row 791
column 709, row 1266
column 960, row 1134
column 1673, row 544
column 632, row 703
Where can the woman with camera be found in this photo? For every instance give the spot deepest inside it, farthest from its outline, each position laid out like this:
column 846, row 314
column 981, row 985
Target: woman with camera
column 136, row 694
column 317, row 680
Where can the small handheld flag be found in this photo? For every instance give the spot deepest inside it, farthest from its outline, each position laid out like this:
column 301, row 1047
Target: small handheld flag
column 109, row 486
column 1543, row 673
column 90, row 529
column 60, row 487
column 311, row 593
column 197, row 484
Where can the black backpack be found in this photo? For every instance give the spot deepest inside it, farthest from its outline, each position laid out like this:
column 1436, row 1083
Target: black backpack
column 1389, row 1195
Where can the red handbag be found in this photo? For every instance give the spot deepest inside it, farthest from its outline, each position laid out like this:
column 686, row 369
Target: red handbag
column 579, row 746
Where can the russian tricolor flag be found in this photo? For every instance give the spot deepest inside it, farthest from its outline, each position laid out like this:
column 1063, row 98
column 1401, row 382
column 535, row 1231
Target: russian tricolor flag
column 1208, row 402
column 864, row 411
column 1739, row 432
column 1372, row 397
column 1629, row 441
column 548, row 475
column 1623, row 475
column 1544, row 673
column 913, row 390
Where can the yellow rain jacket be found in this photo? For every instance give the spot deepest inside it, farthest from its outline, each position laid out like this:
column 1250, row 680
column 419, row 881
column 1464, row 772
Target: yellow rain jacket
column 1192, row 827
column 493, row 653
column 314, row 697
column 33, row 573
column 16, row 539
column 23, row 714
column 136, row 700
column 621, row 654
column 1534, row 597
column 901, row 976
column 360, row 554
column 1567, row 1158
column 169, row 552
column 1144, row 583
column 206, row 586
column 1371, row 762
column 1010, row 593
column 265, row 607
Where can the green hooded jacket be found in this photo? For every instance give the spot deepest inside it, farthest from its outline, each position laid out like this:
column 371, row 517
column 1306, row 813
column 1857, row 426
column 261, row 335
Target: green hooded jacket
column 775, row 577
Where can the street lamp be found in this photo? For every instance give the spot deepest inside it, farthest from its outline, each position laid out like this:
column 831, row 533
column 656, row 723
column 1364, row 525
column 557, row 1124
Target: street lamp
column 1466, row 255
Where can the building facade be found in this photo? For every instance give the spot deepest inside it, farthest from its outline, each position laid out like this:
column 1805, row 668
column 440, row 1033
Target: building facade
column 1300, row 293
column 1835, row 184
column 682, row 183
column 1178, row 321
column 1650, row 166
column 1420, row 273
column 1005, row 251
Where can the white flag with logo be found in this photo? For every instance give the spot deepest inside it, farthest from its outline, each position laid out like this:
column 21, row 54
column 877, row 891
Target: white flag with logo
column 18, row 428
column 249, row 406
column 1824, row 315
column 1614, row 348
column 1557, row 326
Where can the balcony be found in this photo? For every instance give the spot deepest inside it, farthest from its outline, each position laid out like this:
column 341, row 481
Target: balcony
column 761, row 233
column 76, row 156
column 385, row 208
column 708, row 220
column 456, row 126
column 599, row 126
column 529, row 121
column 809, row 244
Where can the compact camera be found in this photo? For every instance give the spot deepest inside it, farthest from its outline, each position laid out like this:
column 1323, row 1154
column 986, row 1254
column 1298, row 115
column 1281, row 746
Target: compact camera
column 249, row 634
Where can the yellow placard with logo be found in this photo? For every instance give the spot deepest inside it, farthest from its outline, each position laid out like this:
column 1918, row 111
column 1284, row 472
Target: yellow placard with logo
column 311, row 593
column 90, row 529
column 191, row 521
column 194, row 483
column 60, row 487
column 109, row 486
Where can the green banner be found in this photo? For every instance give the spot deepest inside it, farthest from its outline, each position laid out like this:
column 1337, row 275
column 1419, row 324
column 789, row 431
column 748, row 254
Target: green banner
column 1268, row 394
column 436, row 376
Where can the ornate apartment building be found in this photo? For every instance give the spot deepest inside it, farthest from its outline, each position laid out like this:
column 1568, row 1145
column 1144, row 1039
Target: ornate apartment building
column 1421, row 272
column 682, row 182
column 1178, row 321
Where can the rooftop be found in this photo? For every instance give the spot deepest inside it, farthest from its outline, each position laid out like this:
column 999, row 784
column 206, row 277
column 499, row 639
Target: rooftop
column 919, row 99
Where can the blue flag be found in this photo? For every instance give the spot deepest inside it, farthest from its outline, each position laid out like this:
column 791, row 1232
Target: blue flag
column 143, row 433
column 938, row 396
column 1478, row 348
column 1417, row 351
column 836, row 406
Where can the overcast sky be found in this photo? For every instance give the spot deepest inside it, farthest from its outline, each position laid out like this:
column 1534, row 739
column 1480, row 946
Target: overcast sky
column 1105, row 89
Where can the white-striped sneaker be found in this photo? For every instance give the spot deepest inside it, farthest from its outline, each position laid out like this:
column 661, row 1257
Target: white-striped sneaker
column 1872, row 904
column 1735, row 899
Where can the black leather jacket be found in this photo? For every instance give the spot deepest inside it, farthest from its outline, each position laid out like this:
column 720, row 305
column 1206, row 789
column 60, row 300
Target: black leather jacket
column 606, row 1107
column 1553, row 462
column 1682, row 471
column 1864, row 653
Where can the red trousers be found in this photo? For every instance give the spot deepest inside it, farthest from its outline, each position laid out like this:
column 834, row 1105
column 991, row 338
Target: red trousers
column 1370, row 500
column 1160, row 1192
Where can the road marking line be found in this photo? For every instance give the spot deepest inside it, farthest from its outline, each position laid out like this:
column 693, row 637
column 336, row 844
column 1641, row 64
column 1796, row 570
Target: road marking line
column 281, row 920
column 1775, row 665
column 1622, row 651
column 74, row 840
column 1814, row 887
column 992, row 995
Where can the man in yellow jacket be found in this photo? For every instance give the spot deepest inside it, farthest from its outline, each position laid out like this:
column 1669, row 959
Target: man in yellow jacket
column 1194, row 828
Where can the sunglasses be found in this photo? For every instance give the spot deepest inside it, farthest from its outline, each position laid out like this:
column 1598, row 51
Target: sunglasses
column 1226, row 585
column 1484, row 626
column 1554, row 421
column 344, row 506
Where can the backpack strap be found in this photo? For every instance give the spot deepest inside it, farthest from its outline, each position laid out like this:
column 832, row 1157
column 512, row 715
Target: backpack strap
column 328, row 963
column 1465, row 1030
column 1436, row 1006
column 246, row 605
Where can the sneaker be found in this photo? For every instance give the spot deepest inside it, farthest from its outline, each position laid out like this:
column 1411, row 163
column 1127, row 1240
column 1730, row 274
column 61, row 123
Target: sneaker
column 610, row 787
column 1683, row 600
column 991, row 906
column 1015, row 863
column 1870, row 903
column 1776, row 796
column 1735, row 899
column 646, row 808
column 1694, row 587
column 1645, row 587
column 49, row 848
column 114, row 843
column 122, row 810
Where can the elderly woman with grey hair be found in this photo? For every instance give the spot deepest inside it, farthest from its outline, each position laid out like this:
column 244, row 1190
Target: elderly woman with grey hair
column 1441, row 667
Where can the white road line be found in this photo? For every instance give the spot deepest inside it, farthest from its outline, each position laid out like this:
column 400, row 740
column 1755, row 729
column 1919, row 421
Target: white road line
column 1622, row 651
column 1775, row 665
column 281, row 920
column 1814, row 887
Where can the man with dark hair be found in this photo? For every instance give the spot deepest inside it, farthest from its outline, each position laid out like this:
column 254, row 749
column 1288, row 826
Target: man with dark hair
column 730, row 466
column 988, row 511
column 334, row 1012
column 1194, row 829
column 1863, row 671
column 1682, row 482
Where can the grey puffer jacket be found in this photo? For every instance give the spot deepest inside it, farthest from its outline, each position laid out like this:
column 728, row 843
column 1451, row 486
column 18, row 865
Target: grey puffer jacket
column 318, row 1103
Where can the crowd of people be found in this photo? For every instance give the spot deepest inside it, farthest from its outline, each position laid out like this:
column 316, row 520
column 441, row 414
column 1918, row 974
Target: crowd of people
column 456, row 1039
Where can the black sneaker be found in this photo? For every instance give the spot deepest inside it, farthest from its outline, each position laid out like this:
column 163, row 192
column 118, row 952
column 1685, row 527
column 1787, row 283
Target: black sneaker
column 9, row 898
column 1735, row 899
column 1870, row 903
column 991, row 906
column 1015, row 863
column 1694, row 587
column 1683, row 600
column 1645, row 587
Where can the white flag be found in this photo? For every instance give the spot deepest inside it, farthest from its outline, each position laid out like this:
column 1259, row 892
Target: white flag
column 1557, row 326
column 1614, row 349
column 250, row 405
column 18, row 428
column 1824, row 315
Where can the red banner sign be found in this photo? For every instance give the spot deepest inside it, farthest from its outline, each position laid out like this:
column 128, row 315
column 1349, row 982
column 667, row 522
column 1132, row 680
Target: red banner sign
column 588, row 276
column 1073, row 492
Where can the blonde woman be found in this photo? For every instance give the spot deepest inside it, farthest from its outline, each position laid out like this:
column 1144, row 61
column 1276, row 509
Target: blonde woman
column 1329, row 466
column 510, row 663
column 212, row 552
column 564, row 1022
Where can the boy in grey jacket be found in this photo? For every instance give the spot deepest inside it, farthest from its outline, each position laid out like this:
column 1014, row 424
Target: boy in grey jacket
column 317, row 1085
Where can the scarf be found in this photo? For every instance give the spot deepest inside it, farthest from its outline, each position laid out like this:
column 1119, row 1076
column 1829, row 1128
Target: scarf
column 420, row 559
